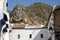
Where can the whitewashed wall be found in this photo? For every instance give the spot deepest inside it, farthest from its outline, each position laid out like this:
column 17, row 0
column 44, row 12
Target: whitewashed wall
column 24, row 34
column 45, row 35
column 1, row 4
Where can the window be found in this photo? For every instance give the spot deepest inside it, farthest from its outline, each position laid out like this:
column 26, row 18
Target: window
column 41, row 35
column 4, row 30
column 6, row 4
column 50, row 28
column 18, row 36
column 5, row 17
column 6, row 25
column 30, row 36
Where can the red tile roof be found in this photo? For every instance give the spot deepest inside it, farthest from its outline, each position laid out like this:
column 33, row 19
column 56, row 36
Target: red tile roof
column 18, row 26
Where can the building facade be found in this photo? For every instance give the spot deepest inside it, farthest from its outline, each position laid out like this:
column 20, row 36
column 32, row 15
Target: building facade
column 57, row 22
column 22, row 32
column 3, row 10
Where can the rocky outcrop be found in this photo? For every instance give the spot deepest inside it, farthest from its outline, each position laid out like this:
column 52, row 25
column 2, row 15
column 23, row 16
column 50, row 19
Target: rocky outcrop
column 35, row 14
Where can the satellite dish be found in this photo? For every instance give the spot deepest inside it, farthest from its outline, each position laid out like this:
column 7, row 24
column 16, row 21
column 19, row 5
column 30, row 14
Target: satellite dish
column 1, row 15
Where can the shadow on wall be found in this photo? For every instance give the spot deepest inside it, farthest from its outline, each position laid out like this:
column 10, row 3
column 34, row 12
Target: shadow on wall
column 42, row 35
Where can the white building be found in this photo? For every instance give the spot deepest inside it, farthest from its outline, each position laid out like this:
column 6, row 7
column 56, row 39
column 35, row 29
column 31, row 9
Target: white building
column 23, row 32
column 3, row 6
column 3, row 9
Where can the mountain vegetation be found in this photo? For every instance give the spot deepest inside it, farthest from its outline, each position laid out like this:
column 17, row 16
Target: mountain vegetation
column 35, row 14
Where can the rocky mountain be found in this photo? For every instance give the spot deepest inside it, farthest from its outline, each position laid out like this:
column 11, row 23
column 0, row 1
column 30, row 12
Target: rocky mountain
column 37, row 13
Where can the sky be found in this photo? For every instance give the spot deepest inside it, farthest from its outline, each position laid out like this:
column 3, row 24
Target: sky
column 12, row 3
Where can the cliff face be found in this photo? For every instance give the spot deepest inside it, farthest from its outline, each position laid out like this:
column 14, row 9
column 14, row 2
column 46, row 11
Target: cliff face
column 37, row 13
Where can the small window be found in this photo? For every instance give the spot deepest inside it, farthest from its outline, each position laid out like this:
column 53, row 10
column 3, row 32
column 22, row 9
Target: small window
column 6, row 4
column 30, row 36
column 5, row 17
column 18, row 36
column 50, row 28
column 41, row 35
column 4, row 30
column 6, row 25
